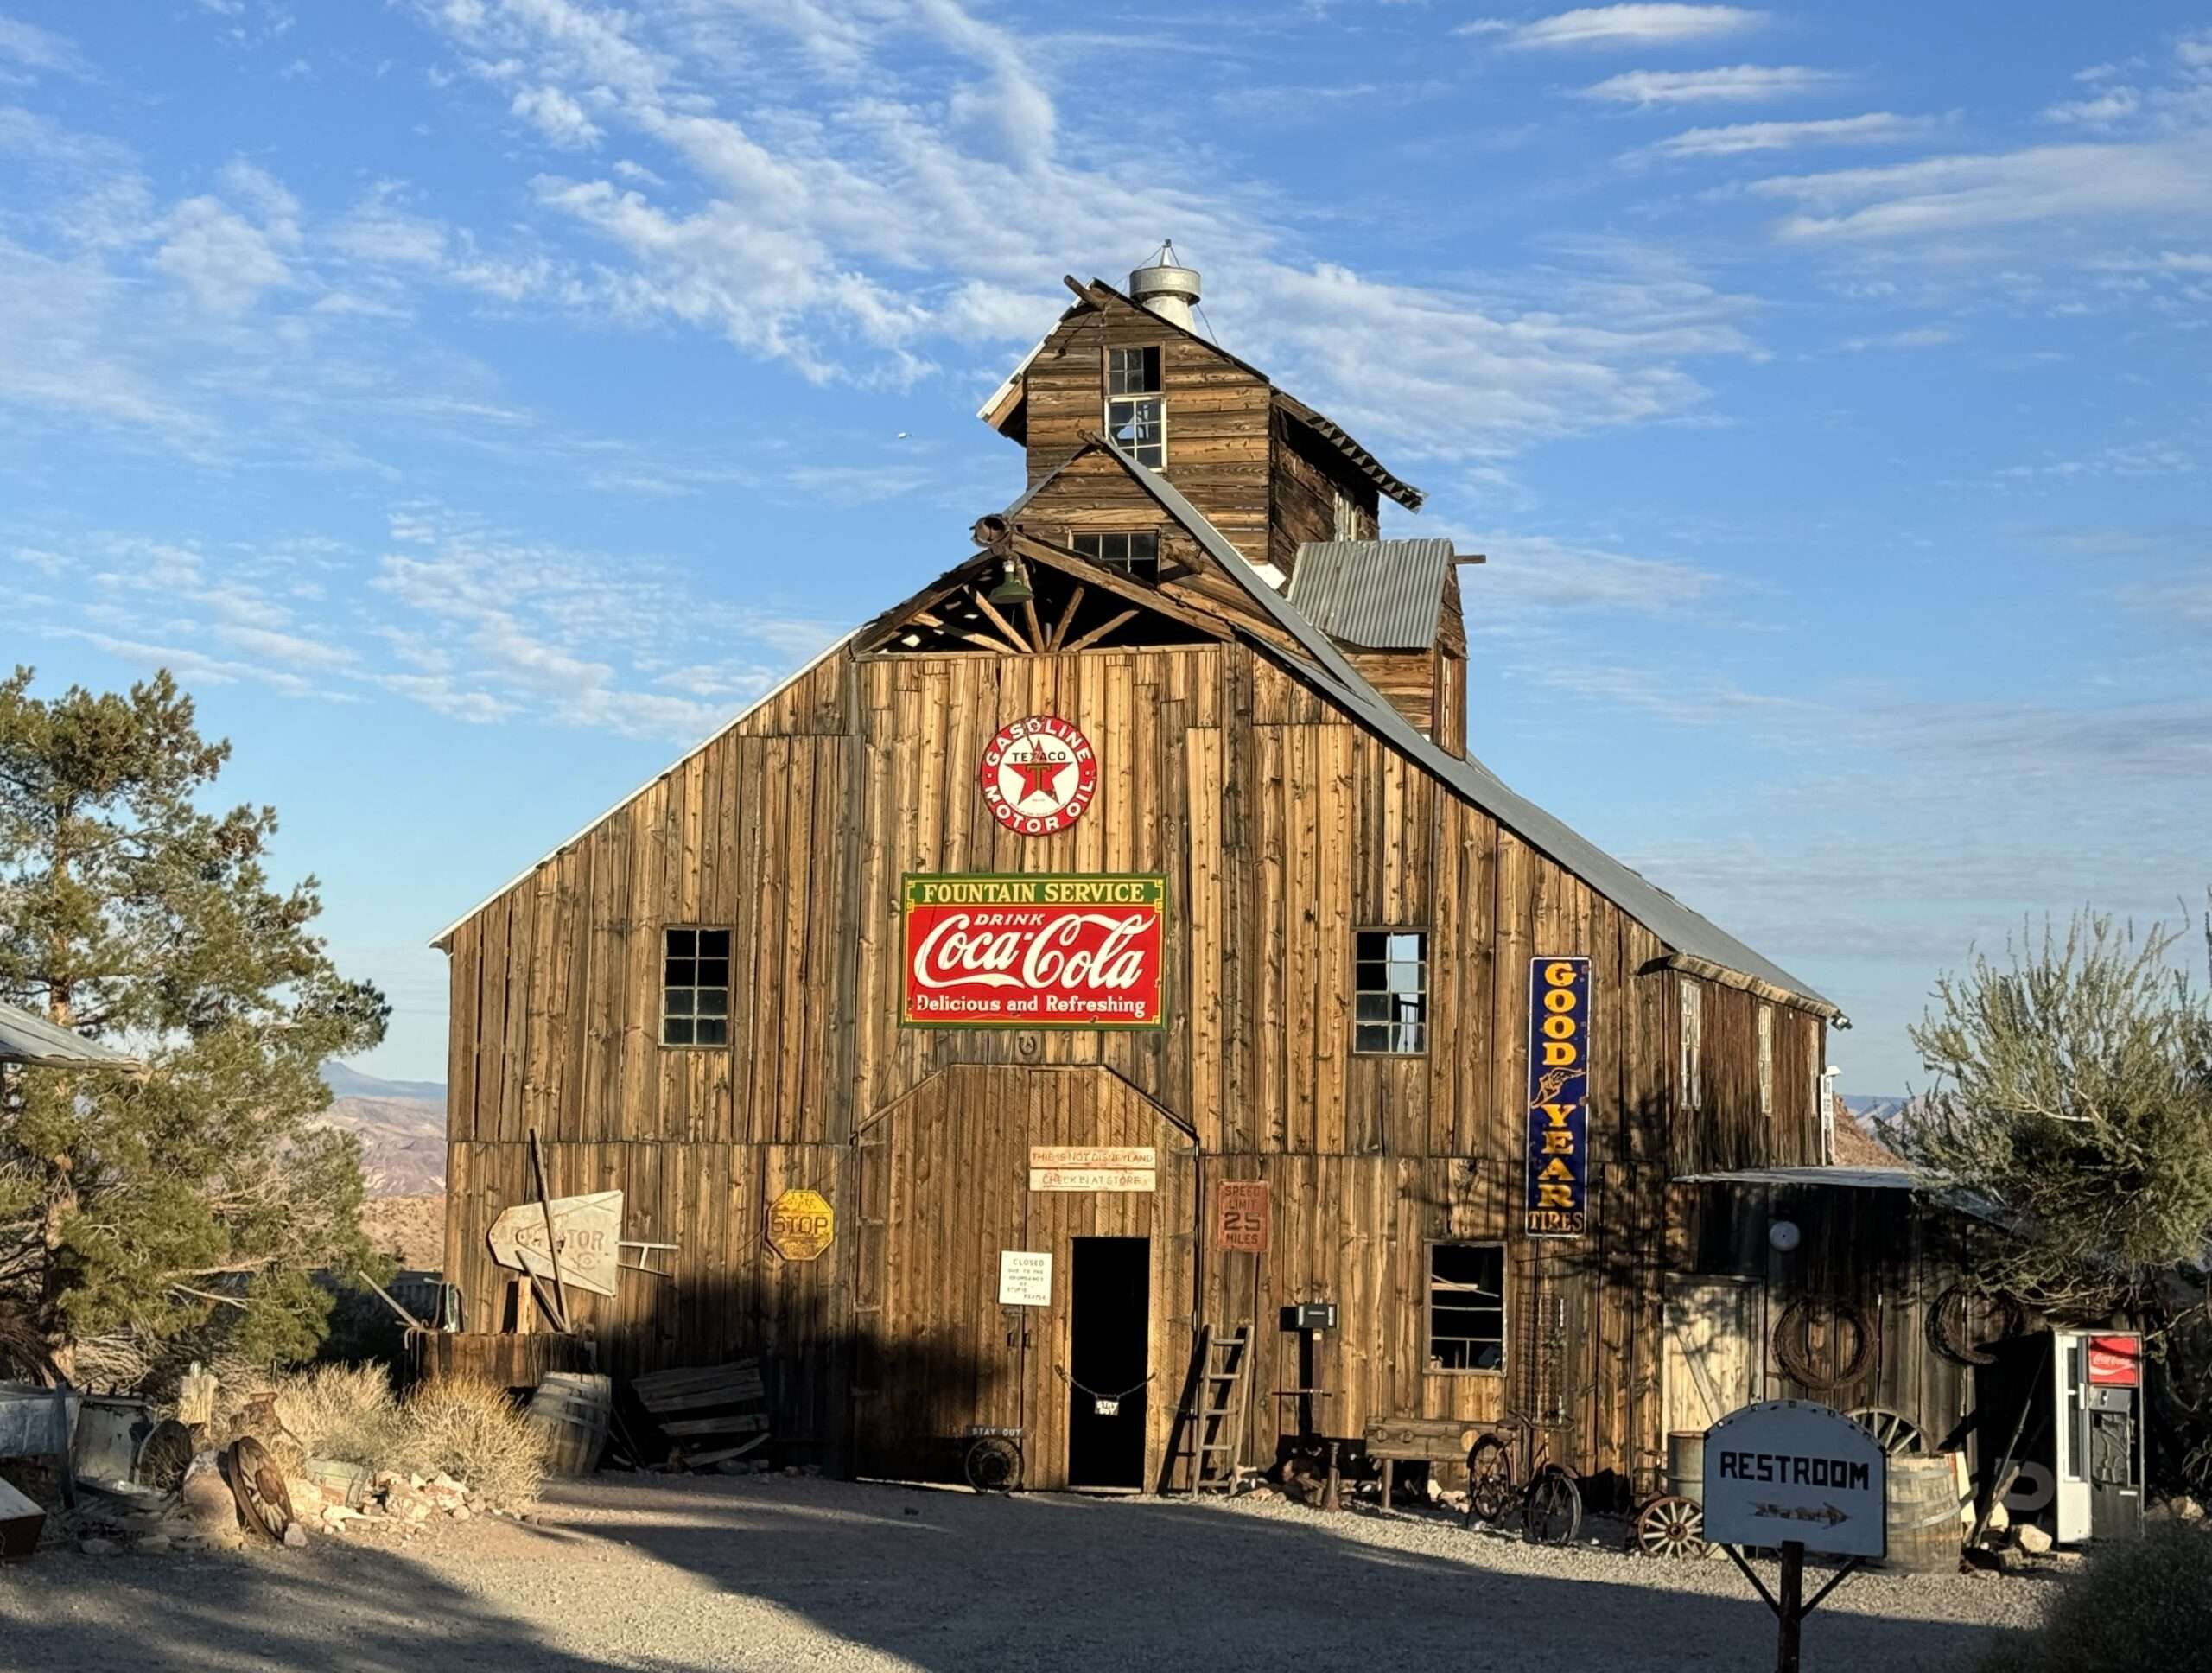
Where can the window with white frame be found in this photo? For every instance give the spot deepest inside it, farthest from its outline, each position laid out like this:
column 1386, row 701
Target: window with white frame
column 1136, row 553
column 1136, row 417
column 695, row 987
column 1390, row 992
column 1466, row 1306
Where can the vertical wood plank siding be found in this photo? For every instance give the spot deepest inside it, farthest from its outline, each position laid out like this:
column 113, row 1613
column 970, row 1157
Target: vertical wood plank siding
column 1281, row 831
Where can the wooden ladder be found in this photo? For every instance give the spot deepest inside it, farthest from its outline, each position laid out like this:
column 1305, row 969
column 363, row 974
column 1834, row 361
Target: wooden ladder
column 1214, row 1419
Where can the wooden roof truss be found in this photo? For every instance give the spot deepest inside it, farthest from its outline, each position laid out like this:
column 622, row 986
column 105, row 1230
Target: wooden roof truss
column 1074, row 605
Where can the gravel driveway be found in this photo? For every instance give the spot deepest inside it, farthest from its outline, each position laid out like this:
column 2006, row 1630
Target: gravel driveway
column 773, row 1571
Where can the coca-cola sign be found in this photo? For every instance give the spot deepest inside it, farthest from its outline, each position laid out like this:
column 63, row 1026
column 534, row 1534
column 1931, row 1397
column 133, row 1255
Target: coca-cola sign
column 1036, row 950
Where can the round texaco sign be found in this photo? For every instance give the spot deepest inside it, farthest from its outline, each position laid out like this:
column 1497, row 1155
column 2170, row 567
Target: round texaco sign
column 1039, row 775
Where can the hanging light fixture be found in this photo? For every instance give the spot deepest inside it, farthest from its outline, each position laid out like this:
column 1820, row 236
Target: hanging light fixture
column 1015, row 589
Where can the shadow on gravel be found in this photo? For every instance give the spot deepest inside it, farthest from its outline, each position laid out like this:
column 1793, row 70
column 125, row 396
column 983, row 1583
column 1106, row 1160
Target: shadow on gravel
column 347, row 1611
column 941, row 1581
column 948, row 1580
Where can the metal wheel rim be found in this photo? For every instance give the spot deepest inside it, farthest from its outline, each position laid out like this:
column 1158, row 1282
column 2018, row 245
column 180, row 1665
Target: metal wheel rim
column 1551, row 1502
column 1489, row 1480
column 994, row 1466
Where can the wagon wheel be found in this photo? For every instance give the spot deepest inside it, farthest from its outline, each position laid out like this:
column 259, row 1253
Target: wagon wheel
column 1899, row 1435
column 1489, row 1480
column 1552, row 1514
column 1671, row 1526
column 994, row 1465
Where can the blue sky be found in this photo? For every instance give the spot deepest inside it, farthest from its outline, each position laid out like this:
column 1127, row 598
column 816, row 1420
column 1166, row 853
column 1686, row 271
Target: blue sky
column 475, row 401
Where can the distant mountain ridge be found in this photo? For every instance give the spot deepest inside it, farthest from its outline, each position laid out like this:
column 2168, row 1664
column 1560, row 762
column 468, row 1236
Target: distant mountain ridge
column 401, row 1125
column 1877, row 1112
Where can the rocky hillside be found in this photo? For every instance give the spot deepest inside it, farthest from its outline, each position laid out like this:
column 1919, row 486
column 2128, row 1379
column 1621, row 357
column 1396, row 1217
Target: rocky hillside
column 411, row 1229
column 402, row 1127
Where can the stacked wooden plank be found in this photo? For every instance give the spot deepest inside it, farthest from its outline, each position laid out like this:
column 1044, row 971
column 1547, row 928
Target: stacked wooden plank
column 710, row 1413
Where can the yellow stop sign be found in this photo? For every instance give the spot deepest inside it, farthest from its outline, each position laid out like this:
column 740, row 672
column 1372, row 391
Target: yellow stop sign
column 801, row 1225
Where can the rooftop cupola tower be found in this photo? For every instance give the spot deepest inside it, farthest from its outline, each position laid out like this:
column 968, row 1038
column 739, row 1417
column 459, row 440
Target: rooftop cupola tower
column 1165, row 287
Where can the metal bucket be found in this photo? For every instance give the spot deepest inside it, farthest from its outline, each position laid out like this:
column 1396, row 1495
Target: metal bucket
column 572, row 1411
column 1686, row 1463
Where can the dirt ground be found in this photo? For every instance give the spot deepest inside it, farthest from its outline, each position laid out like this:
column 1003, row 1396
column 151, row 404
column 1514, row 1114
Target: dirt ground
column 773, row 1571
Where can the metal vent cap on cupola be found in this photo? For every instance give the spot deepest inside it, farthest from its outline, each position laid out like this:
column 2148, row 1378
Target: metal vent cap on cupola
column 1166, row 287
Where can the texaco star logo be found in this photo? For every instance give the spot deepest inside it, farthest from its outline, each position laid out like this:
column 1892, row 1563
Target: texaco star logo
column 1039, row 775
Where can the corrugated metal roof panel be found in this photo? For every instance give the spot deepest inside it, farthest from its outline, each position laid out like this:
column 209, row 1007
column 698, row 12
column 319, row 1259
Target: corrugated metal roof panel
column 1849, row 1178
column 25, row 1037
column 1674, row 923
column 1378, row 594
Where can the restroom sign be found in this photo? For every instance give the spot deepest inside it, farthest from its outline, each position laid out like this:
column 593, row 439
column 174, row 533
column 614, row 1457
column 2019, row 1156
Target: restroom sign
column 1794, row 1470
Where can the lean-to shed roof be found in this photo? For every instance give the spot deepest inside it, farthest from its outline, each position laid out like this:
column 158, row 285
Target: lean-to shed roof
column 1378, row 594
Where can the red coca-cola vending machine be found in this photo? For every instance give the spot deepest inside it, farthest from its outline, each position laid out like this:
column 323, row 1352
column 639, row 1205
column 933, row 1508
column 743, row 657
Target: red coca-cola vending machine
column 2097, row 1468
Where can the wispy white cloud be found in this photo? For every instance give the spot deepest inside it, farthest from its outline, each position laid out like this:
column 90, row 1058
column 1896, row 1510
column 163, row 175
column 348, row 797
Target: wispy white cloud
column 1620, row 27
column 28, row 51
column 1528, row 581
column 468, row 622
column 1926, row 336
column 1944, row 196
column 557, row 115
column 1742, row 138
column 1738, row 83
column 2106, row 108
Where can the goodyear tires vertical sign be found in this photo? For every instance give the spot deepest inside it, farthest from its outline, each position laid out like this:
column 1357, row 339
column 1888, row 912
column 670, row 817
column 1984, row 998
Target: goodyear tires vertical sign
column 1558, row 1204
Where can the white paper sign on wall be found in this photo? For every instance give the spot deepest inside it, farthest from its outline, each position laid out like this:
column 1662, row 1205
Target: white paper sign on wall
column 1791, row 1469
column 1025, row 1280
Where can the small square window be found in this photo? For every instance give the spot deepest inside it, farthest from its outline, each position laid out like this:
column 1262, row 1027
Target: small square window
column 695, row 987
column 1139, row 427
column 1133, row 372
column 1390, row 993
column 1137, row 553
column 1466, row 1306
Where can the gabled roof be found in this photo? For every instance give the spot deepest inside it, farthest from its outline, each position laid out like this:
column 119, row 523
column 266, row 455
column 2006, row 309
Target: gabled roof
column 1006, row 399
column 1377, row 594
column 1700, row 946
column 1695, row 945
column 29, row 1038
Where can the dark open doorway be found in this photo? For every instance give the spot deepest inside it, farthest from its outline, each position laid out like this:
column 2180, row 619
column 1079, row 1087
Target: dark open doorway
column 1110, row 1354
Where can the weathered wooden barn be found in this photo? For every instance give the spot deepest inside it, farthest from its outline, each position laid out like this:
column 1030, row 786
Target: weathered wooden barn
column 1127, row 896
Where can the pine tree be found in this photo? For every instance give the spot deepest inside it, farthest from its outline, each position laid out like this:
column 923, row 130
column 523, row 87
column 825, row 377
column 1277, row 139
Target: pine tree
column 136, row 1209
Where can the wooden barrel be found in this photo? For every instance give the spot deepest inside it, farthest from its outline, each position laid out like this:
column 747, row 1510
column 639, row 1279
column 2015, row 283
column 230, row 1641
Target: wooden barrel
column 1686, row 1463
column 571, row 1411
column 1924, row 1530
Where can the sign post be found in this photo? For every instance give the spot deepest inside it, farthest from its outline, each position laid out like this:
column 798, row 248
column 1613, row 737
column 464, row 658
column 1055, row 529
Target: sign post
column 1803, row 1477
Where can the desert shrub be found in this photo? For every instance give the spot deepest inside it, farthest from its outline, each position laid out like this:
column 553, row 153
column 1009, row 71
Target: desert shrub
column 343, row 1412
column 475, row 1434
column 2139, row 1604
